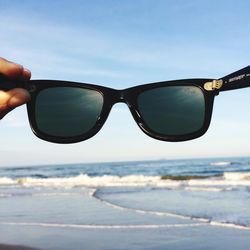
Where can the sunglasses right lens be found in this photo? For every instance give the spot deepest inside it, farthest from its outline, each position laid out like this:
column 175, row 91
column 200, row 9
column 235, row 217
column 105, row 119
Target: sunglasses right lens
column 173, row 110
column 67, row 111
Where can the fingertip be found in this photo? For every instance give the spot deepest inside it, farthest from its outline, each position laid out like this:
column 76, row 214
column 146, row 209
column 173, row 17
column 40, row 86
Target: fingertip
column 26, row 74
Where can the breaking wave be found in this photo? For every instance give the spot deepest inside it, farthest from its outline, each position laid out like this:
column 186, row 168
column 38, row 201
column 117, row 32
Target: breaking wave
column 212, row 183
column 221, row 163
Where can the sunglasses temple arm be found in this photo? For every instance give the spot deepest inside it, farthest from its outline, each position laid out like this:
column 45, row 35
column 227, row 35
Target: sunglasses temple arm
column 236, row 80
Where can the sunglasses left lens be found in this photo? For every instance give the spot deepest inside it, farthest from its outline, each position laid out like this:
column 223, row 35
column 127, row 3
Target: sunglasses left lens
column 67, row 111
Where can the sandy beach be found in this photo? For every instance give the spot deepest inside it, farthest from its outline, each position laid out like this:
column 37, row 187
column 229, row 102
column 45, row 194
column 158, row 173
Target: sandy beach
column 162, row 238
column 12, row 247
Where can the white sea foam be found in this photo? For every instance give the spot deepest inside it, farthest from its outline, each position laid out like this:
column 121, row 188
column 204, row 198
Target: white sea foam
column 98, row 226
column 214, row 184
column 208, row 189
column 140, row 211
column 228, row 179
column 230, row 225
column 123, row 226
column 86, row 191
column 237, row 176
column 221, row 163
column 199, row 220
column 7, row 181
column 85, row 180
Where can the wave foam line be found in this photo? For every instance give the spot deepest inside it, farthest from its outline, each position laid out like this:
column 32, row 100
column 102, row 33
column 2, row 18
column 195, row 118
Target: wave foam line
column 86, row 191
column 140, row 211
column 227, row 179
column 221, row 163
column 230, row 225
column 92, row 226
column 85, row 180
column 131, row 226
column 203, row 221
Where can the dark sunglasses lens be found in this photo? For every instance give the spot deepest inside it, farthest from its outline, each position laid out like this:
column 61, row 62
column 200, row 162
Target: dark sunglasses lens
column 173, row 110
column 67, row 111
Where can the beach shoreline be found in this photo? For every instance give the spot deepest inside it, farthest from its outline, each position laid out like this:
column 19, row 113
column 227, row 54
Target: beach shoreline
column 176, row 238
column 127, row 206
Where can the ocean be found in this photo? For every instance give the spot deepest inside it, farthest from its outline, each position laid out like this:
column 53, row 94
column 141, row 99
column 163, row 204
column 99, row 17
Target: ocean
column 164, row 204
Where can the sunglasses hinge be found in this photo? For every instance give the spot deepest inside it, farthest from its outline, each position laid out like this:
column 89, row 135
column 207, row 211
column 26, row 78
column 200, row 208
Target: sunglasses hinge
column 32, row 88
column 213, row 85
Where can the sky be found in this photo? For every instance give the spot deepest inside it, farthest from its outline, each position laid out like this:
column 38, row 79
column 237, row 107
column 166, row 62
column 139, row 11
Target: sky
column 120, row 44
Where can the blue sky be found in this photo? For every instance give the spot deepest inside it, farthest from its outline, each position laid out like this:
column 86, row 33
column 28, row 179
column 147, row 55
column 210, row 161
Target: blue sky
column 121, row 44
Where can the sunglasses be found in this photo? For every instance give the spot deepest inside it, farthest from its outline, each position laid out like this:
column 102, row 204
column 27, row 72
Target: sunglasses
column 179, row 110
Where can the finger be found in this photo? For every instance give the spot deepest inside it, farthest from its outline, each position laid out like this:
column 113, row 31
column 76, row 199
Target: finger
column 26, row 74
column 4, row 98
column 10, row 69
column 12, row 99
column 17, row 97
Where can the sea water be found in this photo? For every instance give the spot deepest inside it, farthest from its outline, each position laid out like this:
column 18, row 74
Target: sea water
column 221, row 187
column 148, row 195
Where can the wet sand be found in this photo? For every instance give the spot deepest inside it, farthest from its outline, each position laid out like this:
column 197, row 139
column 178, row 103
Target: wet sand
column 14, row 247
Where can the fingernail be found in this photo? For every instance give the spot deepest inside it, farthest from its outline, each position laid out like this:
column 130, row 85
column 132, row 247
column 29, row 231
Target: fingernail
column 27, row 71
column 26, row 74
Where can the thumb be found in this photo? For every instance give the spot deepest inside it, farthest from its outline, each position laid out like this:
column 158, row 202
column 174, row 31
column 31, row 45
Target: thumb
column 12, row 99
column 17, row 97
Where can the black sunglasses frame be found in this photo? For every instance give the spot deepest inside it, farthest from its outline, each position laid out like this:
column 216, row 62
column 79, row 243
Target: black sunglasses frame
column 113, row 96
column 209, row 87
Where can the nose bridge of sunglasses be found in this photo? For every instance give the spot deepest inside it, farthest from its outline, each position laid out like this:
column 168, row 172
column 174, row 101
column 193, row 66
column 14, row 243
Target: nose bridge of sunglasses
column 118, row 96
column 115, row 96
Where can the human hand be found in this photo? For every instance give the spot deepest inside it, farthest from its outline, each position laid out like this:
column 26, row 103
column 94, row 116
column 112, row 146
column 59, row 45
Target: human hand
column 15, row 97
